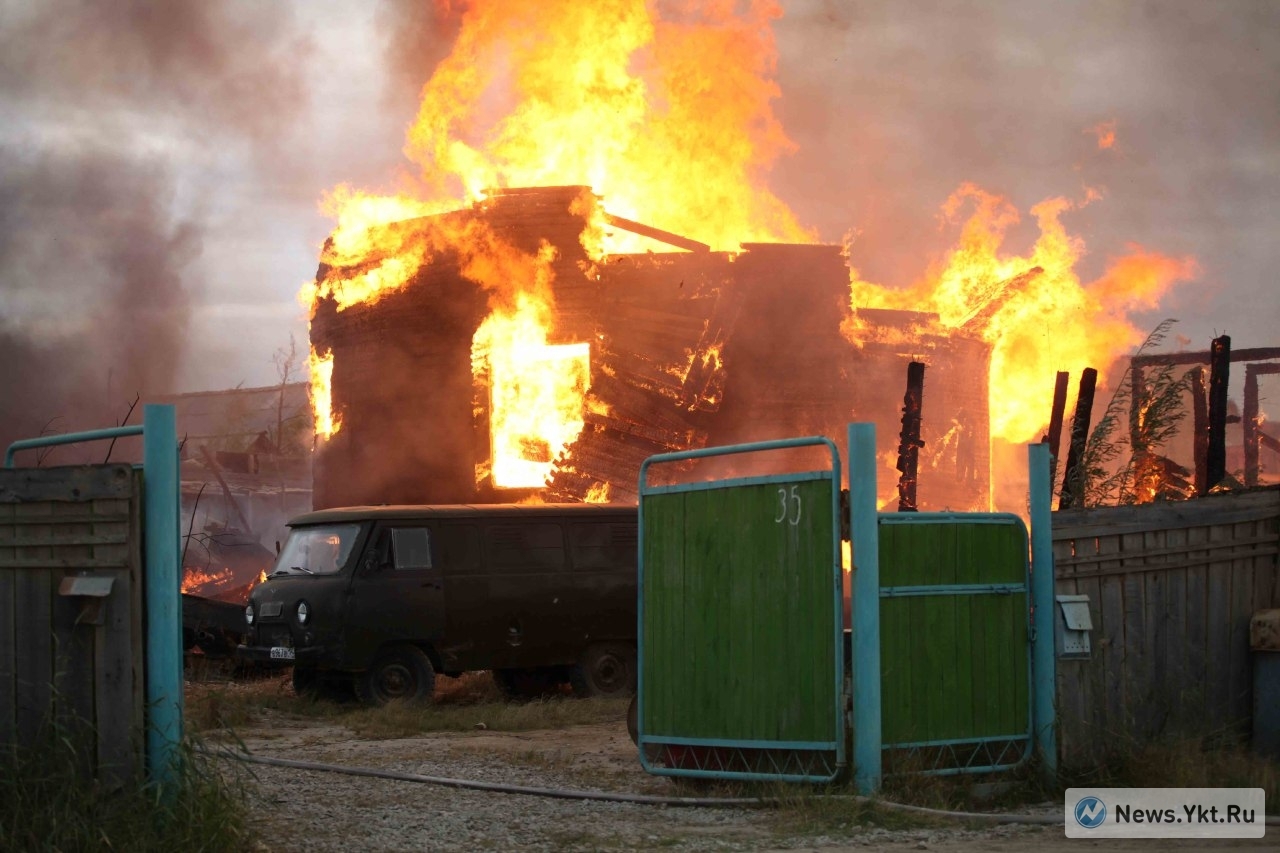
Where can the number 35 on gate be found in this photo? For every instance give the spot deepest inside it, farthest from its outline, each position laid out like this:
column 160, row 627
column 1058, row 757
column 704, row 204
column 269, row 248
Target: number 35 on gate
column 788, row 506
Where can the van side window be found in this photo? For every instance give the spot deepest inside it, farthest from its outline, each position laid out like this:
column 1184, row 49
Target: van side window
column 607, row 545
column 411, row 547
column 531, row 547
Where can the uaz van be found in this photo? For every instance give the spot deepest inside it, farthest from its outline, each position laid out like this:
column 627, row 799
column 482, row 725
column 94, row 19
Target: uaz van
column 387, row 597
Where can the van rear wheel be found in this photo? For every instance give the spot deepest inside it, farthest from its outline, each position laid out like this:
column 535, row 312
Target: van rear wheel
column 606, row 670
column 402, row 672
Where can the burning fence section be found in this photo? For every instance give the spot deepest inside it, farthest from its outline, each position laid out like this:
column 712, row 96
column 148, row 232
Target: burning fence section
column 513, row 358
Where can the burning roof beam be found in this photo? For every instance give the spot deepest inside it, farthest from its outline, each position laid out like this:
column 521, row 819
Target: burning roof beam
column 995, row 298
column 656, row 234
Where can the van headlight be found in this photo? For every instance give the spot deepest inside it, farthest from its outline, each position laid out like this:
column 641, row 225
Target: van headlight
column 304, row 613
column 248, row 614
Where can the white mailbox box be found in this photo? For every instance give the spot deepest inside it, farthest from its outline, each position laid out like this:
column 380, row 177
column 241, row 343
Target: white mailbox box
column 1072, row 627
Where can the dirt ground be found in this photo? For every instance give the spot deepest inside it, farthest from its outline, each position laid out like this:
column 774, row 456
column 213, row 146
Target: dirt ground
column 296, row 809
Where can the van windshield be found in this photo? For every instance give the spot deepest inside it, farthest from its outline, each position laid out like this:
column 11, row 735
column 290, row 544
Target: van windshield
column 319, row 550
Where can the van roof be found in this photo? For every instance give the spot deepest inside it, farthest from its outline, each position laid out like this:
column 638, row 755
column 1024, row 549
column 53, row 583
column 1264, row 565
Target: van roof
column 378, row 513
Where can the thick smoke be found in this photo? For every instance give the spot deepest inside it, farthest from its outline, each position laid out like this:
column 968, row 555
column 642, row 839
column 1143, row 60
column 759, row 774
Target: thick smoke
column 98, row 236
column 95, row 287
column 418, row 35
column 893, row 105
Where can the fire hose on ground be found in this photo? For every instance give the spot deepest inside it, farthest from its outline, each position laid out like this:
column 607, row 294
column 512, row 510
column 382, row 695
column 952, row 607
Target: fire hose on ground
column 637, row 799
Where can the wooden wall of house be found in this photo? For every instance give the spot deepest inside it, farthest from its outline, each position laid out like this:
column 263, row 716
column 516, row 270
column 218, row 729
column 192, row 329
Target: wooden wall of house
column 1172, row 587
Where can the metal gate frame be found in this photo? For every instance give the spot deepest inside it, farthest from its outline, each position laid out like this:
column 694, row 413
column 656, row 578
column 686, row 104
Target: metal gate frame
column 977, row 746
column 864, row 517
column 736, row 758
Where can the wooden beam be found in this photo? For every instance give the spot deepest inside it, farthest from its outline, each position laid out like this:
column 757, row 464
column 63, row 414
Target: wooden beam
column 1243, row 355
column 995, row 298
column 1073, row 480
column 656, row 234
column 1200, row 429
column 1219, row 374
column 226, row 490
column 1055, row 423
column 1268, row 442
column 1250, row 419
column 909, row 442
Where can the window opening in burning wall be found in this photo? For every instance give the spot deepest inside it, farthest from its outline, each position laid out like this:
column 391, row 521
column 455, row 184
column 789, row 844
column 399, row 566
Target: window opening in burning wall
column 535, row 393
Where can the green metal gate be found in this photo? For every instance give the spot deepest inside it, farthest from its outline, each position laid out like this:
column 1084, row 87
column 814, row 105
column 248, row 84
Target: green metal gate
column 955, row 656
column 741, row 661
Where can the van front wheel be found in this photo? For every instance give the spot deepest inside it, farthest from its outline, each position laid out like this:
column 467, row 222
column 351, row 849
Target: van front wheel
column 607, row 670
column 403, row 672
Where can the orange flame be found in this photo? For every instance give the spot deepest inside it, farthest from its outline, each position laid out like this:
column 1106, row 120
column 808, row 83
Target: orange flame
column 321, row 392
column 616, row 95
column 665, row 111
column 1054, row 320
column 536, row 392
column 195, row 579
column 668, row 116
column 598, row 494
column 1106, row 133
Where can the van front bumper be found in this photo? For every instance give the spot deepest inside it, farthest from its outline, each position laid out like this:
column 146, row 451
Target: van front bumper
column 280, row 654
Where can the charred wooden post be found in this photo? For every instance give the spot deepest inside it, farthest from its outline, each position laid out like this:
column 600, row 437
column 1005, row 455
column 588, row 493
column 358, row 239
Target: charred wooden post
column 1073, row 479
column 909, row 442
column 1140, row 453
column 1250, row 416
column 1054, row 437
column 1135, row 406
column 1200, row 429
column 1254, row 437
column 1219, row 373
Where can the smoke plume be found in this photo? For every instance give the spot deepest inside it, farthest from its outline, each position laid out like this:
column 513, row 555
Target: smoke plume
column 98, row 233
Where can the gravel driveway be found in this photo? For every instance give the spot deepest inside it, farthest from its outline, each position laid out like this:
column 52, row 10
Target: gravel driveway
column 307, row 810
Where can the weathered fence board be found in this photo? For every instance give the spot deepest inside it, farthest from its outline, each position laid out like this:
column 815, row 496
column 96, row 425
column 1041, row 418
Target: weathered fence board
column 1171, row 589
column 63, row 659
column 8, row 656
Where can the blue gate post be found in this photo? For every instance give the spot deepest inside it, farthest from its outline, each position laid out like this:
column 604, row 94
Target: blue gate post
column 864, row 530
column 1045, row 686
column 164, row 613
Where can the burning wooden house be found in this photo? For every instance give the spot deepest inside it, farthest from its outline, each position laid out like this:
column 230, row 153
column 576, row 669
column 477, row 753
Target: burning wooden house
column 420, row 400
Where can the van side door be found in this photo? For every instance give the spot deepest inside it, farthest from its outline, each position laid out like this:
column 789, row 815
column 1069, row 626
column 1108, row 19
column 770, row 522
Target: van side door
column 397, row 594
column 603, row 552
column 515, row 604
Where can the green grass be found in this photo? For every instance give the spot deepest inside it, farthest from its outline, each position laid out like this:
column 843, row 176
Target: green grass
column 50, row 801
column 1183, row 762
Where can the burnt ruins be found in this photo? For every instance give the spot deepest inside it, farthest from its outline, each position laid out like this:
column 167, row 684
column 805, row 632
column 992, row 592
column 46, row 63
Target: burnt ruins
column 689, row 348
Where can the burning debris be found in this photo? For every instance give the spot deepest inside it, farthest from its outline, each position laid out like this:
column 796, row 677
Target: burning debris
column 527, row 341
column 445, row 398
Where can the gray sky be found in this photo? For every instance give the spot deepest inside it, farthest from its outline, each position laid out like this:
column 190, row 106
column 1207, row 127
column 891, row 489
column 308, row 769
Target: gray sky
column 161, row 164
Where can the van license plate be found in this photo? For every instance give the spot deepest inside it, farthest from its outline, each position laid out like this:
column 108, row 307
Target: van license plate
column 281, row 653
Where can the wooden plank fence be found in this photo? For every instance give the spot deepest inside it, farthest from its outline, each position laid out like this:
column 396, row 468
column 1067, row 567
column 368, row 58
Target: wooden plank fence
column 71, row 659
column 1171, row 589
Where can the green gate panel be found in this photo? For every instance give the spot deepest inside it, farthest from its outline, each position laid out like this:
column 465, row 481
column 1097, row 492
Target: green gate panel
column 738, row 618
column 955, row 645
column 740, row 653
